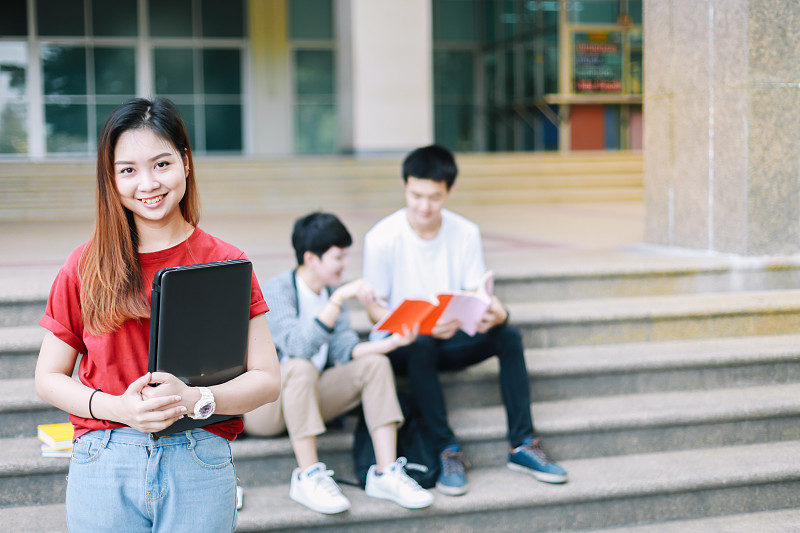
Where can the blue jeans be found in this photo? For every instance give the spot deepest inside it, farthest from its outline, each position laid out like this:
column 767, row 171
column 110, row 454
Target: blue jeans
column 125, row 481
column 422, row 360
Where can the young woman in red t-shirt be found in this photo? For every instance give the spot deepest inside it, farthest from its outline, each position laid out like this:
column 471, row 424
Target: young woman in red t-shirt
column 121, row 476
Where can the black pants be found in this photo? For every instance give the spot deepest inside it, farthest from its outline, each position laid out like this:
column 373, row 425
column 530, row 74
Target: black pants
column 422, row 361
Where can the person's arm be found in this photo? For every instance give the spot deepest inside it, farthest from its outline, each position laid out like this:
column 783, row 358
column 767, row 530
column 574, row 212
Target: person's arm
column 293, row 337
column 356, row 289
column 343, row 339
column 386, row 345
column 55, row 385
column 376, row 310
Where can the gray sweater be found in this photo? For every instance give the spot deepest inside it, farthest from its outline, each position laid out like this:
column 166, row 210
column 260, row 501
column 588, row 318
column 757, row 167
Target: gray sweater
column 296, row 338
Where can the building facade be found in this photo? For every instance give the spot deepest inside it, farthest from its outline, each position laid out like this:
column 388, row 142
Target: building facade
column 293, row 77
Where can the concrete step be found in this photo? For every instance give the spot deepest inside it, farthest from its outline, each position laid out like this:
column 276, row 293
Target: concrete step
column 20, row 312
column 782, row 521
column 601, row 493
column 651, row 318
column 642, row 270
column 648, row 318
column 556, row 373
column 21, row 410
column 571, row 429
column 19, row 347
column 570, row 372
column 245, row 184
column 50, row 519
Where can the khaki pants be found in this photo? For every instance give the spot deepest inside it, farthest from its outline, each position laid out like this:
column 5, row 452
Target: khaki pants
column 308, row 399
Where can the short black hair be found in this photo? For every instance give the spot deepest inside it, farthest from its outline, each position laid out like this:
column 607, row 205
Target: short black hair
column 317, row 233
column 434, row 162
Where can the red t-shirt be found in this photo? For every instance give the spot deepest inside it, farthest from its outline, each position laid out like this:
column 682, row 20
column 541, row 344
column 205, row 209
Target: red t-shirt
column 113, row 361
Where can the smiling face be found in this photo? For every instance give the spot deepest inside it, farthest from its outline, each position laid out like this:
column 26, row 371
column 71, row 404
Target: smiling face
column 327, row 269
column 425, row 199
column 150, row 176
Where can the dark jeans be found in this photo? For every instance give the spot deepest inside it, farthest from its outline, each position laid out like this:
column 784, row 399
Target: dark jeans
column 422, row 360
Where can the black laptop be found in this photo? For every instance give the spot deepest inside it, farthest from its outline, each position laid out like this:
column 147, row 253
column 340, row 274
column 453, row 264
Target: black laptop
column 199, row 321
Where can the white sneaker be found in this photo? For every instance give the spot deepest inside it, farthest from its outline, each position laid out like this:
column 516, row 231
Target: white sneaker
column 395, row 485
column 316, row 489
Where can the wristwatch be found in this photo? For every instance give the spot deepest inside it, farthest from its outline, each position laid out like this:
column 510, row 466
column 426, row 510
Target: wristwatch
column 205, row 406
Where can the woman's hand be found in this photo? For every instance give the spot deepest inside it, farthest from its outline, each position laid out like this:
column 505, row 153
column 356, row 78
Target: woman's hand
column 148, row 409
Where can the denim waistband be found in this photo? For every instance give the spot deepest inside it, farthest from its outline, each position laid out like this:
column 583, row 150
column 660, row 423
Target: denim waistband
column 137, row 438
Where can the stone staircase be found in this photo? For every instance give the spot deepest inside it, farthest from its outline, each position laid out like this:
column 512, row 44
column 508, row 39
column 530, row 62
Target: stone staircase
column 64, row 190
column 670, row 392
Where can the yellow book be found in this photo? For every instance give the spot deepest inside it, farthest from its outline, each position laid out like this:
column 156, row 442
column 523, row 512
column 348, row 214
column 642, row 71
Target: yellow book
column 56, row 436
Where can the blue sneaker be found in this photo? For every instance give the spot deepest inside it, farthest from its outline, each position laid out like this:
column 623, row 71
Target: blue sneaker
column 531, row 459
column 452, row 479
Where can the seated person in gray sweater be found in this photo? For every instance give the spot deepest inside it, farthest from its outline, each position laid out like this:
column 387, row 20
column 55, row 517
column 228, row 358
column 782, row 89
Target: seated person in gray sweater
column 326, row 371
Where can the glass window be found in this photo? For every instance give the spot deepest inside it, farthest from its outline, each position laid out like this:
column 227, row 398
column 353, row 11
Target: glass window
column 635, row 64
column 487, row 19
column 507, row 19
column 64, row 69
column 223, row 128
column 598, row 61
column 454, row 92
column 454, row 74
column 316, row 129
column 509, row 76
column 14, row 22
column 102, row 111
column 118, row 18
column 455, row 21
column 188, row 113
column 170, row 19
column 314, row 70
column 13, row 106
column 454, row 126
column 223, row 18
column 310, row 20
column 13, row 128
column 222, row 71
column 60, row 17
column 114, row 70
column 551, row 72
column 529, row 70
column 635, row 11
column 66, row 126
column 593, row 12
column 13, row 67
column 174, row 71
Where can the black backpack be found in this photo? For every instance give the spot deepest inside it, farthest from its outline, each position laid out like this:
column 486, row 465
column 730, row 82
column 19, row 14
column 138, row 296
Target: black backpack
column 412, row 443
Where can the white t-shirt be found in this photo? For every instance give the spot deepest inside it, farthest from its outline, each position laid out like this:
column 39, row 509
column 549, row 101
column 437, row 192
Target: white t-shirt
column 310, row 305
column 400, row 264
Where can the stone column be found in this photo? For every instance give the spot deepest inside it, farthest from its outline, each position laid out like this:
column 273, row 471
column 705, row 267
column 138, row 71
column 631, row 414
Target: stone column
column 269, row 120
column 385, row 74
column 722, row 128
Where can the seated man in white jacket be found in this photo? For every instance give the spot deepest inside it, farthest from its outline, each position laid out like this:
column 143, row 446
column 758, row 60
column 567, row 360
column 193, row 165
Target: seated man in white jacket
column 326, row 371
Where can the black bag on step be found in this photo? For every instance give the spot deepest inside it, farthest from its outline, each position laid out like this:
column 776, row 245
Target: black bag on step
column 412, row 443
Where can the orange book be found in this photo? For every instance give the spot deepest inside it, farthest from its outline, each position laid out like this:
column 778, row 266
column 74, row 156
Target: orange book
column 467, row 307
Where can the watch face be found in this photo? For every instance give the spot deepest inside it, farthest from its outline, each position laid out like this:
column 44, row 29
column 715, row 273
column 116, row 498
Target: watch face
column 206, row 409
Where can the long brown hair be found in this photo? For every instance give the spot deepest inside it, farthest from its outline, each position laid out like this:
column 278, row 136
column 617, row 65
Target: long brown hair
column 111, row 279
